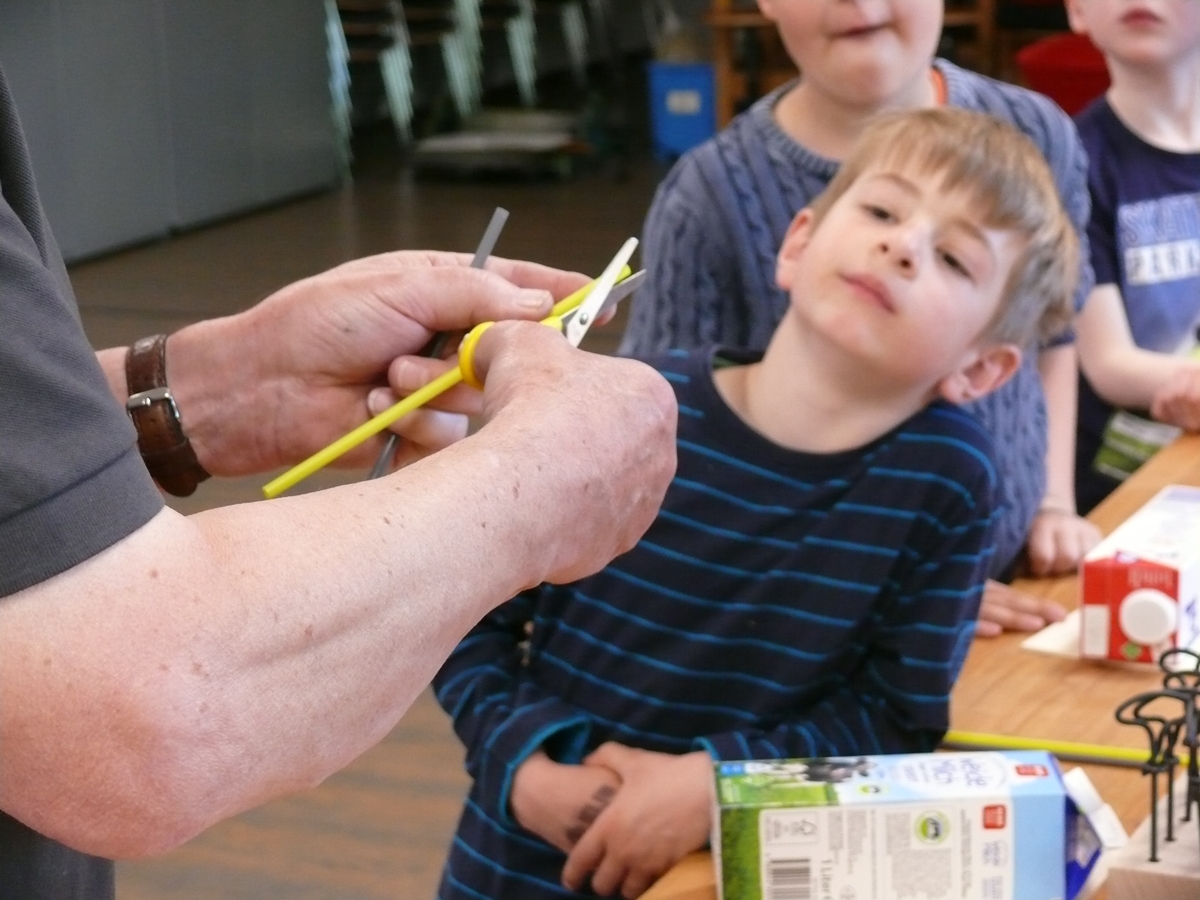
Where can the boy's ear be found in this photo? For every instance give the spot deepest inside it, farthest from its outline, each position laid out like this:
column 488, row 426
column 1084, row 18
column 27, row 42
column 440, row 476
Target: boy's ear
column 988, row 368
column 794, row 242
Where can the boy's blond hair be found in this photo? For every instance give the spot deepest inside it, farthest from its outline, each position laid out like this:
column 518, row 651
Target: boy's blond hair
column 1007, row 178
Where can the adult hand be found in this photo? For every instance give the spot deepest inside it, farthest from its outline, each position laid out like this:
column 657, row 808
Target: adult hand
column 437, row 424
column 1005, row 608
column 559, row 802
column 272, row 385
column 1058, row 540
column 1178, row 401
column 605, row 426
column 661, row 813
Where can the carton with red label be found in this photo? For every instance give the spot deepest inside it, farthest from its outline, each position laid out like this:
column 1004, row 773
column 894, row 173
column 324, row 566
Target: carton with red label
column 983, row 825
column 1140, row 585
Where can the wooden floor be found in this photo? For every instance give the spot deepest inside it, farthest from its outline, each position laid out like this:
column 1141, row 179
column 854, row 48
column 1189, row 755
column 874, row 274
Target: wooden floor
column 380, row 828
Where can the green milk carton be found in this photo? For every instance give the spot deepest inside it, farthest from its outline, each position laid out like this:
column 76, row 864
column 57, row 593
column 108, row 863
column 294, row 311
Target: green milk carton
column 924, row 826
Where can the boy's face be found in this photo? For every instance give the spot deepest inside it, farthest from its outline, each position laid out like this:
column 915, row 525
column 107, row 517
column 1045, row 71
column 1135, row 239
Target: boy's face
column 863, row 52
column 1140, row 32
column 902, row 276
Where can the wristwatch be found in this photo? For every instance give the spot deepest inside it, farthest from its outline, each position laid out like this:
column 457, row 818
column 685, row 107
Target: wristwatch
column 165, row 449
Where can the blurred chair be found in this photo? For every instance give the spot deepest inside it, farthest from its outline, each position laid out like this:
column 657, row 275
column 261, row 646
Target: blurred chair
column 438, row 22
column 573, row 23
column 374, row 33
column 338, row 52
column 382, row 32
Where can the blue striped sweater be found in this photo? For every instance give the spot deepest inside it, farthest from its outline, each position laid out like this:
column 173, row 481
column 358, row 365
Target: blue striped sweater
column 782, row 604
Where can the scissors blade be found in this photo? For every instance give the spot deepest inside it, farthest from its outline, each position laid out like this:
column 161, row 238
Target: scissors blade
column 586, row 313
column 621, row 290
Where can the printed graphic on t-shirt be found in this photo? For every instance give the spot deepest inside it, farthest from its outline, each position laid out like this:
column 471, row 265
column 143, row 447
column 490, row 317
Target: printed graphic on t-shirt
column 1160, row 239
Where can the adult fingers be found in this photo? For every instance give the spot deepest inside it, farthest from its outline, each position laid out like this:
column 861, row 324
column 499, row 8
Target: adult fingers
column 607, row 427
column 454, row 298
column 423, row 431
column 410, row 373
column 519, row 272
column 532, row 275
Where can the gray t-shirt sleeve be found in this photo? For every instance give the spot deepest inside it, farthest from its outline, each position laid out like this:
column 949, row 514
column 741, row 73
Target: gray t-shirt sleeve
column 71, row 480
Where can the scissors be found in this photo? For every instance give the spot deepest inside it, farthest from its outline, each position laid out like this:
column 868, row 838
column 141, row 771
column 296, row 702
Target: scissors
column 574, row 316
column 573, row 321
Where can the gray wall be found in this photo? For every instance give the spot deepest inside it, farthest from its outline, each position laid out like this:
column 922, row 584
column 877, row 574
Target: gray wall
column 146, row 116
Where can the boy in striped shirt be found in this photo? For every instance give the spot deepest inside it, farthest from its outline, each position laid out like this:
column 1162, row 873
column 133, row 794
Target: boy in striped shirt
column 810, row 585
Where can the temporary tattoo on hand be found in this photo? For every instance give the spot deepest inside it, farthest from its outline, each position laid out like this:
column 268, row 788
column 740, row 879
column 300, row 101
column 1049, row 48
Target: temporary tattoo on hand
column 586, row 816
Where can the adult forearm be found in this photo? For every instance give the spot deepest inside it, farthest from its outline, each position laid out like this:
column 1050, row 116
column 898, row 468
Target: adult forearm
column 206, row 664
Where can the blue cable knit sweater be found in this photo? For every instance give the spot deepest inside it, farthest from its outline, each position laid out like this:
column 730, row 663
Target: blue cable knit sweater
column 718, row 219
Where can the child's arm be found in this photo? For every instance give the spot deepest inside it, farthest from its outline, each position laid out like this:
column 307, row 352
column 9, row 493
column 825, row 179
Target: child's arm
column 1059, row 537
column 501, row 718
column 1121, row 372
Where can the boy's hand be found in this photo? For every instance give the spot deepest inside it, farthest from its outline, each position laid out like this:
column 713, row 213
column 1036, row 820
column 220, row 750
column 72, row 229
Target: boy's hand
column 1058, row 540
column 558, row 802
column 660, row 814
column 1005, row 608
column 1178, row 401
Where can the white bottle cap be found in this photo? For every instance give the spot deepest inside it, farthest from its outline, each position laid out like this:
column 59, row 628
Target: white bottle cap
column 1148, row 616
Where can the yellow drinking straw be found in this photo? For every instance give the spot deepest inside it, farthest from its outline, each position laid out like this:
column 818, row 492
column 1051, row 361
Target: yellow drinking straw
column 415, row 400
column 1068, row 750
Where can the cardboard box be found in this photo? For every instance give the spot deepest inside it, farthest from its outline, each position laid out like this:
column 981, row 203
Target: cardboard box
column 1139, row 586
column 924, row 826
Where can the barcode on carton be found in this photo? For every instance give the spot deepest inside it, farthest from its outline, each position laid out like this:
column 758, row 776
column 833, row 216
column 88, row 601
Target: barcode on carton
column 788, row 879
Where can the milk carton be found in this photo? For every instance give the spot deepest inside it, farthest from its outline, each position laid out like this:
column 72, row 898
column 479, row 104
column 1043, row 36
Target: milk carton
column 934, row 826
column 1139, row 586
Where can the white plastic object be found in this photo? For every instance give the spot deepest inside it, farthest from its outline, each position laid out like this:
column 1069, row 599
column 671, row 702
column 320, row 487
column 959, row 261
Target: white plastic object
column 1148, row 617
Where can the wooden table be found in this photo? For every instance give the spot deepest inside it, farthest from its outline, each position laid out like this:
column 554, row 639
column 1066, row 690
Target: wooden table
column 1006, row 690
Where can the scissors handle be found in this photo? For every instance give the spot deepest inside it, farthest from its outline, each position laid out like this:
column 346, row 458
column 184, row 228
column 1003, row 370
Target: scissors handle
column 556, row 320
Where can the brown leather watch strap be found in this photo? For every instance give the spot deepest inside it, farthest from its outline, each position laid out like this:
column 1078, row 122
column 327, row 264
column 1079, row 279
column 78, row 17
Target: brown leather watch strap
column 164, row 447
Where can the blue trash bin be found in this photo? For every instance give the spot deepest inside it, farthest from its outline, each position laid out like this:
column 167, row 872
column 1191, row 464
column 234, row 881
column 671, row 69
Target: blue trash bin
column 682, row 113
